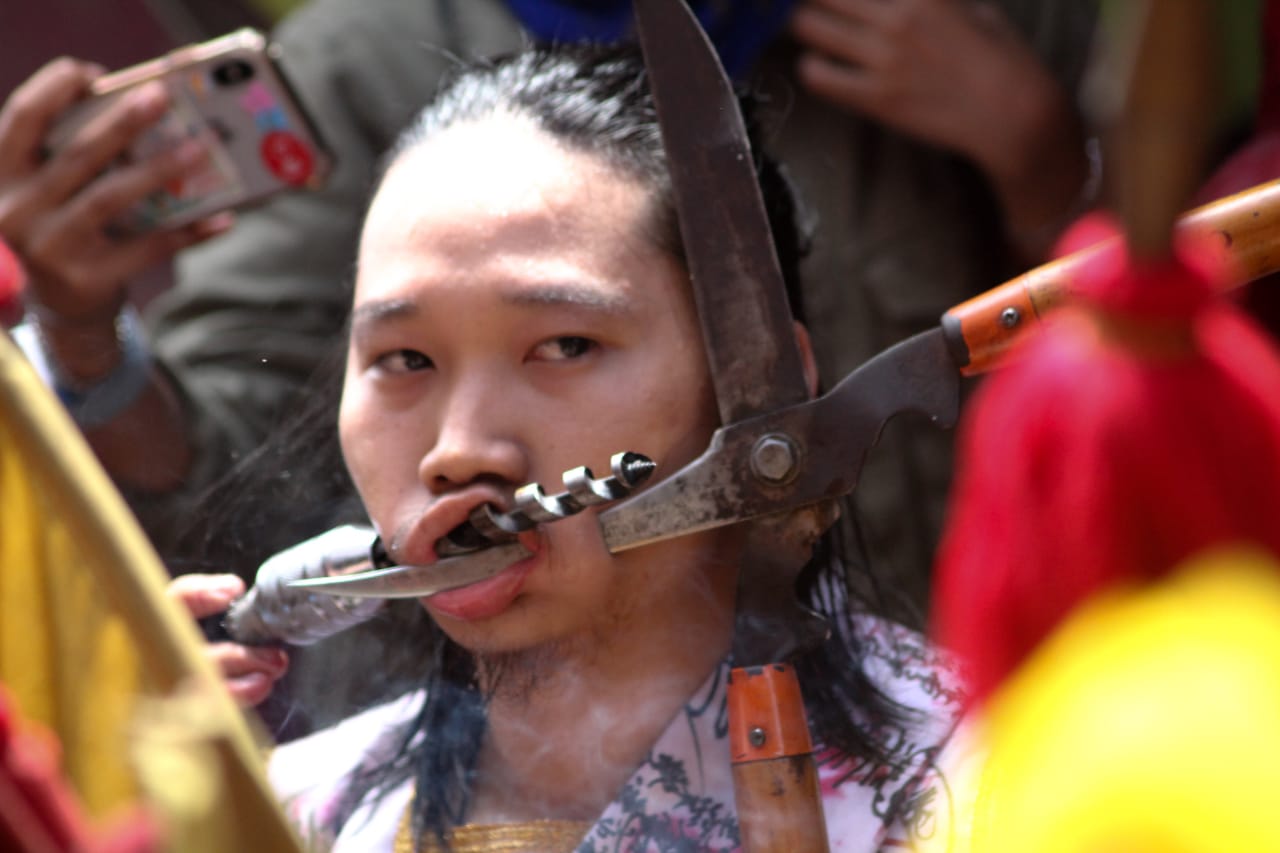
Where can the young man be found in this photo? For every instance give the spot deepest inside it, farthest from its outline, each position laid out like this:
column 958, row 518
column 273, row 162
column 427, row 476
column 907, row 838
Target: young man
column 522, row 307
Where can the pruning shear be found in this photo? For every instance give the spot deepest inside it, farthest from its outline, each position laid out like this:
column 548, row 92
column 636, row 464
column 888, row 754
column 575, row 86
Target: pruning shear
column 781, row 460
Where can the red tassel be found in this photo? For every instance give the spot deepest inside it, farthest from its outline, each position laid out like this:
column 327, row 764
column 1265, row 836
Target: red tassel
column 1131, row 435
column 40, row 812
column 11, row 285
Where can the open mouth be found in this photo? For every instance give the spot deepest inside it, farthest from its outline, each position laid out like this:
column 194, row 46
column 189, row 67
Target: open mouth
column 467, row 537
column 488, row 596
column 486, row 525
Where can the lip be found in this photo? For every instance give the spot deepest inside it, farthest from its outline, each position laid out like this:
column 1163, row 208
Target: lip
column 491, row 596
column 416, row 544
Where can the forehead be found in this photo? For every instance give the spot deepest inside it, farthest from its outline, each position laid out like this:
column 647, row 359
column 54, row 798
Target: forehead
column 502, row 178
column 499, row 209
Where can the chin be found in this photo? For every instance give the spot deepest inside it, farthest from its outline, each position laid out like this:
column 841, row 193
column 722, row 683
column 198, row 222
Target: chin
column 522, row 633
column 507, row 632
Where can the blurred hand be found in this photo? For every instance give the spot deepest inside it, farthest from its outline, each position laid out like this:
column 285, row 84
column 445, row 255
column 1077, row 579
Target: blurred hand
column 953, row 73
column 957, row 75
column 55, row 210
column 249, row 672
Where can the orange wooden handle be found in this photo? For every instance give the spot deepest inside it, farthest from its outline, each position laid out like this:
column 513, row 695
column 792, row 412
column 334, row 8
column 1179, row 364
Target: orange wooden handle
column 766, row 714
column 1245, row 229
column 775, row 780
column 780, row 806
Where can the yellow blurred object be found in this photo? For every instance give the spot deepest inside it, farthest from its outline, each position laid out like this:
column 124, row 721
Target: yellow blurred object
column 88, row 637
column 59, row 649
column 1149, row 721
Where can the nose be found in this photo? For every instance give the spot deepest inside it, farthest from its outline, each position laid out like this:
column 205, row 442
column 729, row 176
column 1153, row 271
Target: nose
column 476, row 441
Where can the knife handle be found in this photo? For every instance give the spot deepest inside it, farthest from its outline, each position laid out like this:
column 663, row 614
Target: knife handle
column 775, row 780
column 1246, row 228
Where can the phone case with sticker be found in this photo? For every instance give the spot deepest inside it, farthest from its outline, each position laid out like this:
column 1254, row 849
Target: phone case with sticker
column 231, row 95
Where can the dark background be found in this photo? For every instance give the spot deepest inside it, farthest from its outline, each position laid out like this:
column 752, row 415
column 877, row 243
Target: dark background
column 115, row 33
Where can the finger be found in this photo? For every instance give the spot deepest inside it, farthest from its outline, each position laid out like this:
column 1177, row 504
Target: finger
column 235, row 660
column 92, row 267
column 866, row 12
column 205, row 595
column 249, row 671
column 850, row 43
column 250, row 690
column 843, row 84
column 108, row 197
column 31, row 109
column 212, row 226
column 146, row 251
column 88, row 152
column 98, row 280
column 103, row 139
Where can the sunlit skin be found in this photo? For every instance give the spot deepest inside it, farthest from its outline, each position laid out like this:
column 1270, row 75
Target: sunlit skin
column 513, row 319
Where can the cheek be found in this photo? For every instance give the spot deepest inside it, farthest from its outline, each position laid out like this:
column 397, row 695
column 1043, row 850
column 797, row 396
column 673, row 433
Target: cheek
column 370, row 450
column 355, row 442
column 675, row 408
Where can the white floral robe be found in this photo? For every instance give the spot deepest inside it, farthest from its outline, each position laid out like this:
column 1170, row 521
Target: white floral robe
column 681, row 797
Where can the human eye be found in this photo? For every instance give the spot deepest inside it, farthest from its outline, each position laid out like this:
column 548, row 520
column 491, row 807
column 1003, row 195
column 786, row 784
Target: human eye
column 564, row 348
column 403, row 361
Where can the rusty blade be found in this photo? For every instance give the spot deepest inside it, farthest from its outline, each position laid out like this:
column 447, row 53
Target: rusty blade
column 417, row 581
column 742, row 304
column 829, row 440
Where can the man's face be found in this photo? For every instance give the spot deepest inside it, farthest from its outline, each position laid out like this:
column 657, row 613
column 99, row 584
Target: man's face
column 511, row 322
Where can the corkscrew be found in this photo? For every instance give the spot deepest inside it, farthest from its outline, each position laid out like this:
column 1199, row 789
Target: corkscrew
column 533, row 506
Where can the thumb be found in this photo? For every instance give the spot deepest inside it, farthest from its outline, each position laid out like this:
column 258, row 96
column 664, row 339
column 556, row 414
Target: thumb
column 205, row 595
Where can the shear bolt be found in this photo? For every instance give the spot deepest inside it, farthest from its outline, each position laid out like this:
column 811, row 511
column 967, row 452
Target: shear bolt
column 757, row 737
column 774, row 458
column 1010, row 317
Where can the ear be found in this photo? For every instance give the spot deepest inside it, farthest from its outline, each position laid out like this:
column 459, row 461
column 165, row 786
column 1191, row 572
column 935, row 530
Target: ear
column 806, row 357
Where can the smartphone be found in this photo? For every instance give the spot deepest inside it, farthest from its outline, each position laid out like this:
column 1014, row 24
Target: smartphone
column 231, row 95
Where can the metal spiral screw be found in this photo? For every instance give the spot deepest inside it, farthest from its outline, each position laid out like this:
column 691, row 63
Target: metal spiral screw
column 533, row 506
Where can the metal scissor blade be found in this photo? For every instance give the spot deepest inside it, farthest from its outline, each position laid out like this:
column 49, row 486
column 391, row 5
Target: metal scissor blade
column 417, row 581
column 828, row 438
column 737, row 282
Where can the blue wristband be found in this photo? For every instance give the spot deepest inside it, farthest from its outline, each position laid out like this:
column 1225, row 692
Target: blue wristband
column 101, row 402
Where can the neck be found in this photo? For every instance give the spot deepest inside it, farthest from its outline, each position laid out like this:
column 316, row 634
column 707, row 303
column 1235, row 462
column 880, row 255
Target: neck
column 568, row 724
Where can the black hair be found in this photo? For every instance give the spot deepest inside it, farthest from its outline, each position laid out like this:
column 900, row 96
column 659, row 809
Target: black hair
column 596, row 100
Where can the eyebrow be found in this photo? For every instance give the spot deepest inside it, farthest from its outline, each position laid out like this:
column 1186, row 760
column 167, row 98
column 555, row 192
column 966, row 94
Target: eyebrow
column 383, row 309
column 570, row 295
column 566, row 295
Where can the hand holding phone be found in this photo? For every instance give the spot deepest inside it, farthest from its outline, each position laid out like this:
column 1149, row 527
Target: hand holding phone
column 93, row 191
column 228, row 98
